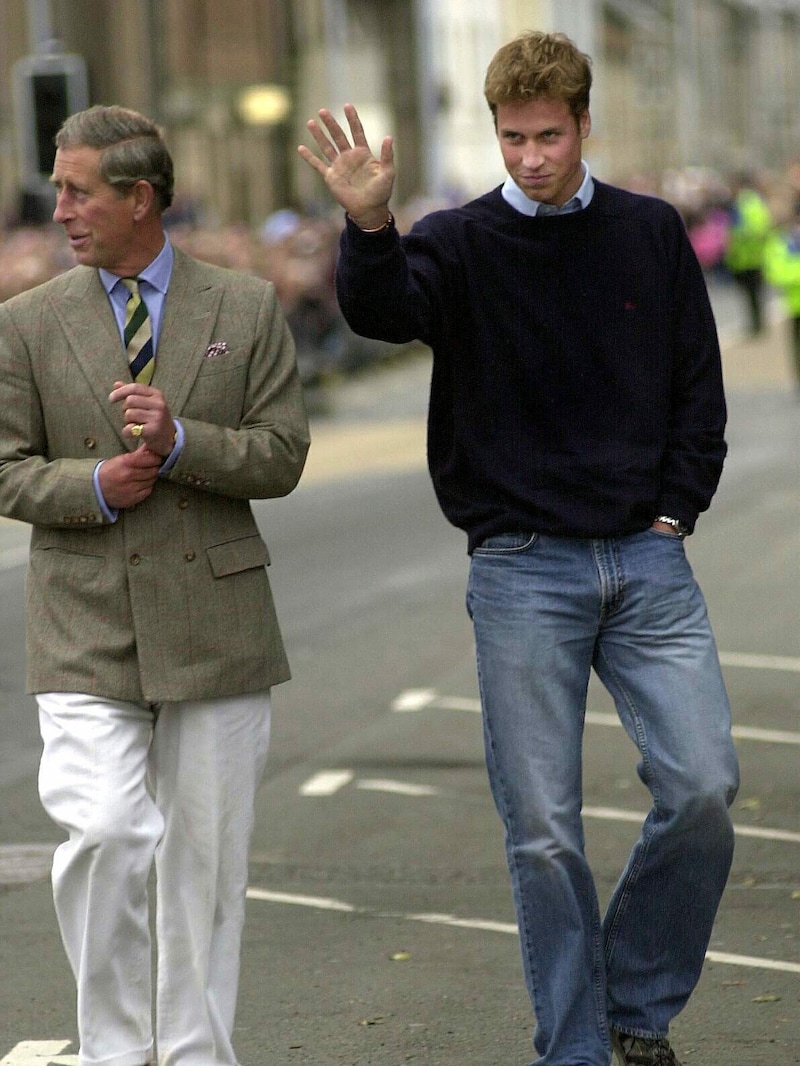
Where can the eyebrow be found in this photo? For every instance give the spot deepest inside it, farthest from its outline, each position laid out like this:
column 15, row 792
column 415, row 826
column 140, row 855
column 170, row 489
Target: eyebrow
column 510, row 131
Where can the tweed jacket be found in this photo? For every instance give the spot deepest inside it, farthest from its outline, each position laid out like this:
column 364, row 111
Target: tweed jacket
column 172, row 600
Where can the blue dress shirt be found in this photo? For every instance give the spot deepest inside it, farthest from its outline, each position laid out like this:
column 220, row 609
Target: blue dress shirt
column 154, row 283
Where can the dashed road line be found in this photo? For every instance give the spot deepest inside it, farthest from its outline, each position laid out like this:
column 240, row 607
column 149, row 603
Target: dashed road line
column 39, row 1053
column 337, row 779
column 485, row 925
column 790, row 664
column 399, row 788
column 415, row 700
column 618, row 814
column 325, row 783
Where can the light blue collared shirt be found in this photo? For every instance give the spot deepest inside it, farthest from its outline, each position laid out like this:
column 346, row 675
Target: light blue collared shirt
column 514, row 196
column 155, row 279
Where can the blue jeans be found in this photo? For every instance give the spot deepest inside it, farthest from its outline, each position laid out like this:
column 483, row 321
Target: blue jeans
column 545, row 611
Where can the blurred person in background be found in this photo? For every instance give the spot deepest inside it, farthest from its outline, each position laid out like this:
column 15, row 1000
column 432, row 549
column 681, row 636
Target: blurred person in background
column 152, row 638
column 782, row 270
column 750, row 225
column 575, row 434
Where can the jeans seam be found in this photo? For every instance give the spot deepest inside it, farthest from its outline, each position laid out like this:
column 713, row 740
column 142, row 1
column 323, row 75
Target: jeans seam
column 507, row 819
column 647, row 832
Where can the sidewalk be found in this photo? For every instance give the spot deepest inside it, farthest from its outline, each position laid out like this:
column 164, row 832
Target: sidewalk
column 762, row 362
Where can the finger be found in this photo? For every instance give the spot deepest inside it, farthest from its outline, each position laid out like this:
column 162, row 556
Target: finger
column 356, row 129
column 336, row 132
column 123, row 389
column 387, row 151
column 322, row 140
column 311, row 159
column 143, row 460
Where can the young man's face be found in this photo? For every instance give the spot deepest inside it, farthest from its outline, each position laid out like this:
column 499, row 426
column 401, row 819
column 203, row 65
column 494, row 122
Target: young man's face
column 541, row 144
column 98, row 220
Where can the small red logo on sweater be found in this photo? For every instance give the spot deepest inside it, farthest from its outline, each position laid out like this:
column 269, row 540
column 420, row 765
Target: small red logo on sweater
column 630, row 305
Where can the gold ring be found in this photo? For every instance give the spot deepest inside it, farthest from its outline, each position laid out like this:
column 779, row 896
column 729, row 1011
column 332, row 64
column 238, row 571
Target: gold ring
column 136, row 429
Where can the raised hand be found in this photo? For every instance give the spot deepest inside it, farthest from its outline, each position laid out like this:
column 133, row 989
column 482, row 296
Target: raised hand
column 358, row 181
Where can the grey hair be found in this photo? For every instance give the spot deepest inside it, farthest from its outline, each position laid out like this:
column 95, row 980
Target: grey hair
column 132, row 148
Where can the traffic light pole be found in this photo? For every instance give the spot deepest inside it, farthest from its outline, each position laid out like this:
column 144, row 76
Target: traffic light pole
column 49, row 85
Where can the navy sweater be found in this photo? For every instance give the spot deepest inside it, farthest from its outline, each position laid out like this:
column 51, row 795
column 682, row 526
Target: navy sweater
column 577, row 386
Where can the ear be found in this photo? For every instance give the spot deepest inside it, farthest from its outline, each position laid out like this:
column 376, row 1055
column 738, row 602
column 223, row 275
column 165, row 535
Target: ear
column 143, row 198
column 585, row 125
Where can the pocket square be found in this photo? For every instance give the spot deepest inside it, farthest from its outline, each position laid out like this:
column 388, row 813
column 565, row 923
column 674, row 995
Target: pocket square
column 215, row 349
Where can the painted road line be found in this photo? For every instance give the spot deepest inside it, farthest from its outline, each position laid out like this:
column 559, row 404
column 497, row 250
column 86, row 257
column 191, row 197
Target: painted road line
column 316, row 902
column 791, row 664
column 739, row 732
column 487, row 925
column 753, row 961
column 325, row 783
column 617, row 814
column 328, row 782
column 414, row 699
column 400, row 788
column 424, row 699
column 39, row 1052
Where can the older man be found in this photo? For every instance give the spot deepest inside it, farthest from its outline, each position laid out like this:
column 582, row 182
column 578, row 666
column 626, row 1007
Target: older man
column 145, row 398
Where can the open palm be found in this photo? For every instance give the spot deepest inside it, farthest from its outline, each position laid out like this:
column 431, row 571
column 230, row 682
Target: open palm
column 361, row 183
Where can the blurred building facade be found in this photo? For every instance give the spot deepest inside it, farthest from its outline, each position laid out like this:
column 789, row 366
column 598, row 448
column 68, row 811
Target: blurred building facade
column 677, row 83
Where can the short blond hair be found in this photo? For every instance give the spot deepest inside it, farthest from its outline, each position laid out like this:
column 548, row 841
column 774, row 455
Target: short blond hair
column 538, row 64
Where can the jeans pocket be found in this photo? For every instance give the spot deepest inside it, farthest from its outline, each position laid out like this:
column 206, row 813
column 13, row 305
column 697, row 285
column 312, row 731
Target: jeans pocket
column 506, row 544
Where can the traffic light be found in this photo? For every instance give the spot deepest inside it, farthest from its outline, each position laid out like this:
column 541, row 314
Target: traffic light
column 47, row 88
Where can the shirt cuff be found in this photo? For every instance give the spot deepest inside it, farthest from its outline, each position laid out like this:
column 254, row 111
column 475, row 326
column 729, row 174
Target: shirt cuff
column 108, row 513
column 177, row 448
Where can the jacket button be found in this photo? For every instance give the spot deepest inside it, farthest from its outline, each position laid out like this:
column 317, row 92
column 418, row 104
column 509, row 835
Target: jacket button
column 90, row 443
column 189, row 556
column 135, row 559
column 183, row 504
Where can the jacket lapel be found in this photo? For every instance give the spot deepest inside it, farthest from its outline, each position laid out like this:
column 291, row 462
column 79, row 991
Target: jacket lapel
column 85, row 315
column 190, row 314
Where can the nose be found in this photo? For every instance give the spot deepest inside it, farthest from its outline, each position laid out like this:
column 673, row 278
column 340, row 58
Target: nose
column 532, row 157
column 60, row 212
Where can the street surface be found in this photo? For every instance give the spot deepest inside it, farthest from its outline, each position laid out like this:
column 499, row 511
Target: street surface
column 379, row 925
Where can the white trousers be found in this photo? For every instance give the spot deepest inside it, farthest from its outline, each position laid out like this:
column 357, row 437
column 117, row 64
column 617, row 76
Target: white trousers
column 130, row 783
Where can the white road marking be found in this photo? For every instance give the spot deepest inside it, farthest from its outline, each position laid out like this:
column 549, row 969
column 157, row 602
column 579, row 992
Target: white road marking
column 324, row 783
column 617, row 814
column 789, row 663
column 317, row 902
column 327, row 782
column 740, row 732
column 420, row 699
column 414, row 699
column 463, row 923
column 751, row 960
column 487, row 925
column 39, row 1052
column 400, row 788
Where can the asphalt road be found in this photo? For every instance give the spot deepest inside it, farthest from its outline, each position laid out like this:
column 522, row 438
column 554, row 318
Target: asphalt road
column 379, row 924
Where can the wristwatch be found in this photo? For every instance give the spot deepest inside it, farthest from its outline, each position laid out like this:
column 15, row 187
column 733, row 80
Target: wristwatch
column 676, row 524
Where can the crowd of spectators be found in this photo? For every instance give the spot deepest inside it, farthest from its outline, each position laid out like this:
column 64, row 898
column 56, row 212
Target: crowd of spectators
column 297, row 251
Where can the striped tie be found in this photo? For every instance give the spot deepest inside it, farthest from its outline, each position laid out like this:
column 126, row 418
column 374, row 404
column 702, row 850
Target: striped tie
column 138, row 334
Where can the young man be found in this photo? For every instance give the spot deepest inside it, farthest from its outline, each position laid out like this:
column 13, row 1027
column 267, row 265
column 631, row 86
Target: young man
column 575, row 433
column 145, row 398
